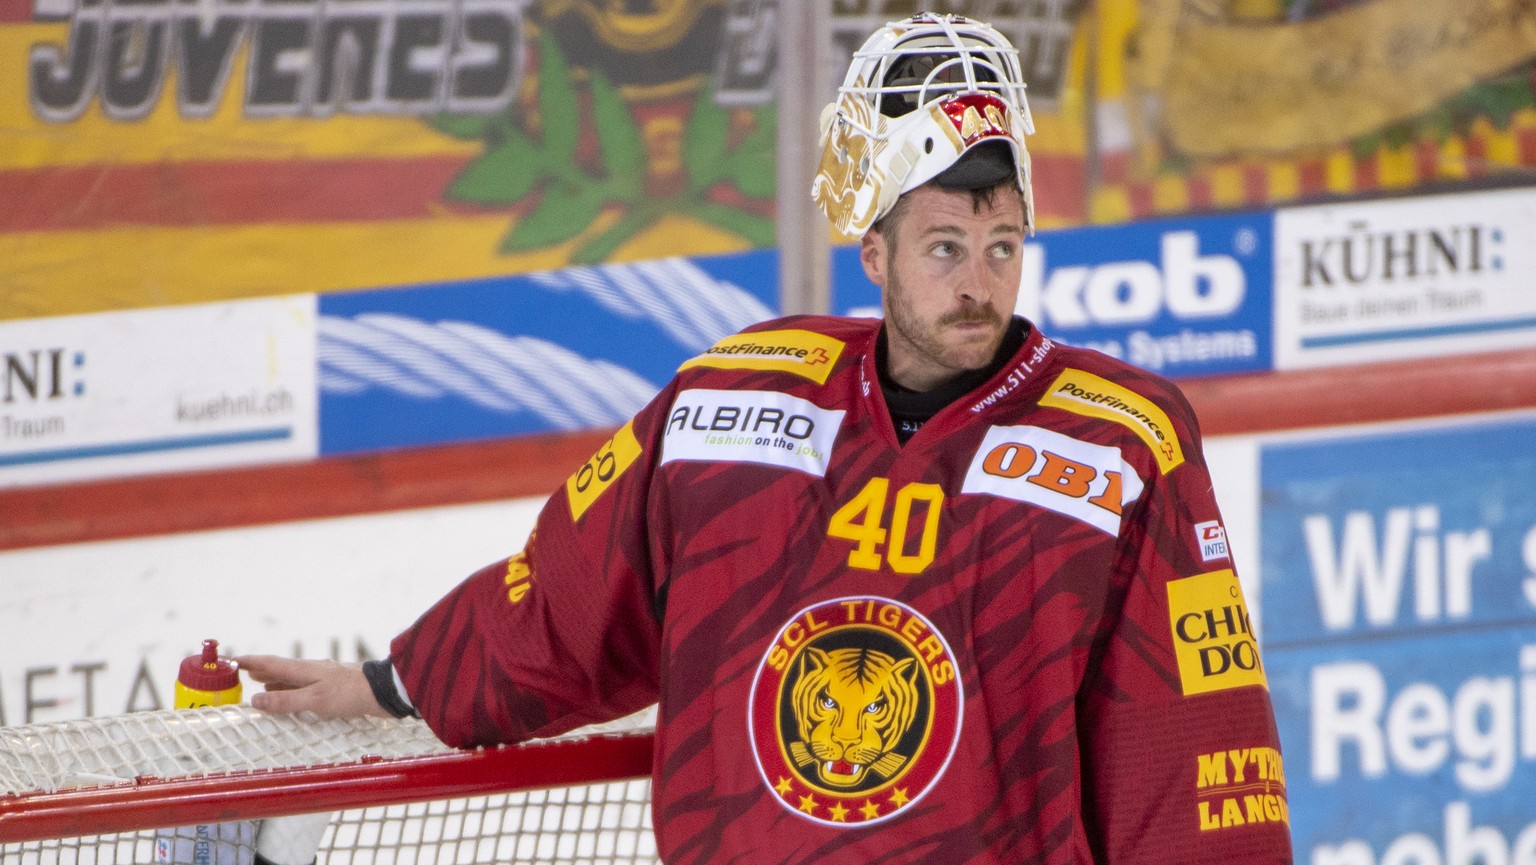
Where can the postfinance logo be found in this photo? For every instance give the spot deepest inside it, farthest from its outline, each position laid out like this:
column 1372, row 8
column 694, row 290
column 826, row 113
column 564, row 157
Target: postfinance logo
column 1212, row 634
column 855, row 711
column 801, row 352
column 1087, row 394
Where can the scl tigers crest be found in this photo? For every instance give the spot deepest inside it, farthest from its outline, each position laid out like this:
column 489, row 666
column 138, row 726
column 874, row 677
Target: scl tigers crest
column 855, row 711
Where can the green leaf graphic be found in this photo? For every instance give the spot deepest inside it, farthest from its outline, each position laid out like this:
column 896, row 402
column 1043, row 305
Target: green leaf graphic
column 703, row 147
column 602, row 247
column 465, row 127
column 501, row 175
column 753, row 172
column 564, row 213
column 619, row 139
column 751, row 165
column 557, row 103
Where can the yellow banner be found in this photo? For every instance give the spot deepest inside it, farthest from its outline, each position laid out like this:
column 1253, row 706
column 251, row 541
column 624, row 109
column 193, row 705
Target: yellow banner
column 1230, row 88
column 127, row 268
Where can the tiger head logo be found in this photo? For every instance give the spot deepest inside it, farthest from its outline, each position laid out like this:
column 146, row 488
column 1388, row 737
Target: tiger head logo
column 848, row 187
column 852, row 707
column 856, row 709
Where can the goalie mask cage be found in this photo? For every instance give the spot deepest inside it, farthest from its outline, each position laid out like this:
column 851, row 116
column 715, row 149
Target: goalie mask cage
column 101, row 791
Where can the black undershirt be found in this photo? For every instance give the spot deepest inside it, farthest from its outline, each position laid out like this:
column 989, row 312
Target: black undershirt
column 911, row 409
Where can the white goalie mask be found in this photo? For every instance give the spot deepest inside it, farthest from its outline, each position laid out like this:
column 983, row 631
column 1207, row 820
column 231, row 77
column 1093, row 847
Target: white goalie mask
column 920, row 95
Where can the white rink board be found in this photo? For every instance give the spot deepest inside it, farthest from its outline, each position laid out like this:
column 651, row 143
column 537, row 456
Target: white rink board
column 100, row 628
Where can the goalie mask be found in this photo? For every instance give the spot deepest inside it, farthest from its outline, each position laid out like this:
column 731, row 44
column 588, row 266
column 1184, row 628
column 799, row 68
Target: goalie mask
column 934, row 97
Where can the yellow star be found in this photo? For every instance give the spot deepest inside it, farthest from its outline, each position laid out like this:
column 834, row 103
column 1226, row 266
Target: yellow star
column 870, row 810
column 899, row 797
column 783, row 786
column 839, row 813
column 808, row 804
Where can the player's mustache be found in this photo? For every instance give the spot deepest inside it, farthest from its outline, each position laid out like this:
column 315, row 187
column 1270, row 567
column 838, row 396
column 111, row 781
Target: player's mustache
column 972, row 315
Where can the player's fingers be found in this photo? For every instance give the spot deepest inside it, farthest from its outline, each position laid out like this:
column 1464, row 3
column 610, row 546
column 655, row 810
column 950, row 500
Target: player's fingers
column 282, row 702
column 275, row 672
column 262, row 668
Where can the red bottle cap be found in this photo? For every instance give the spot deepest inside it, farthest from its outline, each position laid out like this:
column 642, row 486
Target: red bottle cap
column 208, row 671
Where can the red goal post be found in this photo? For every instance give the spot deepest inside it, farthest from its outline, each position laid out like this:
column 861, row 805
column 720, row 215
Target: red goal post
column 97, row 790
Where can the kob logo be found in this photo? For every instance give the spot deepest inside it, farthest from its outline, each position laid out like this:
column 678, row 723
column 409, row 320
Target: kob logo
column 1189, row 285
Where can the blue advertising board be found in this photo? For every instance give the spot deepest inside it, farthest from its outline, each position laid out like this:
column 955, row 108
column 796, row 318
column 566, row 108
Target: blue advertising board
column 580, row 348
column 1184, row 297
column 1399, row 599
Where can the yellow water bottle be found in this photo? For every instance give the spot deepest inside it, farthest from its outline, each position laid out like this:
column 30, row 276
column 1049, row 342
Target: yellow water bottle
column 207, row 679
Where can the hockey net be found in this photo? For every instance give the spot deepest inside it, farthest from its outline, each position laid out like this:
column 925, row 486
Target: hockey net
column 102, row 791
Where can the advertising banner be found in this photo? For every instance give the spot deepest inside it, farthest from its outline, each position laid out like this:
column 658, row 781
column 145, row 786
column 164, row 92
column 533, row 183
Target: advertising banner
column 1405, row 278
column 157, row 390
column 1351, row 68
column 1399, row 594
column 1180, row 297
column 157, row 153
column 571, row 349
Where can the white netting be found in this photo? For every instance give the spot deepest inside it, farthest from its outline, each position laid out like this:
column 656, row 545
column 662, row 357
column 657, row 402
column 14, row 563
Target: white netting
column 188, row 742
column 596, row 824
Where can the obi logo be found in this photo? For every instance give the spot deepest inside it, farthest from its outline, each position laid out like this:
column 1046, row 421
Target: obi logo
column 1212, row 538
column 1212, row 634
column 855, row 711
column 1086, row 481
column 1186, row 283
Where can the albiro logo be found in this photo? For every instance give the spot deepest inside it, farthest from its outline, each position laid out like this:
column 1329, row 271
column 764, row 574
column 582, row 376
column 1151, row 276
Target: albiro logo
column 1189, row 285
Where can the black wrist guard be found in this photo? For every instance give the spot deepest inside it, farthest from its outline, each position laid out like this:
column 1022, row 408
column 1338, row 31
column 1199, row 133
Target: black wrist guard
column 381, row 678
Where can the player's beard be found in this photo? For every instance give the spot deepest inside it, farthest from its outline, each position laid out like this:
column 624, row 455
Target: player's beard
column 927, row 339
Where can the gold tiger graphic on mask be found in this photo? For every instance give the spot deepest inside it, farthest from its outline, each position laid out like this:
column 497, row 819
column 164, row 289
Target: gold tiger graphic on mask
column 846, row 186
column 852, row 707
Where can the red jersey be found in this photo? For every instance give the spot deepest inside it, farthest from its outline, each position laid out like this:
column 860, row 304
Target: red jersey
column 1017, row 638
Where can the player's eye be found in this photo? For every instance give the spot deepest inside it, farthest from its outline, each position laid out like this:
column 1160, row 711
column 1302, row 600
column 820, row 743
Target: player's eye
column 944, row 249
column 1002, row 251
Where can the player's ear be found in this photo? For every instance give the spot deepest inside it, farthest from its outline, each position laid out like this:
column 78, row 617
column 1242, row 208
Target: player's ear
column 874, row 254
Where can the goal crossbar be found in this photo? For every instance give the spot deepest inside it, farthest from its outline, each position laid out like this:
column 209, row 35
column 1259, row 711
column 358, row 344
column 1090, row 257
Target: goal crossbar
column 110, row 775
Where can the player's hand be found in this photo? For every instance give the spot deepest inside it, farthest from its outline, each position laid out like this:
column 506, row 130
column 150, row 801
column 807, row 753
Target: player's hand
column 328, row 688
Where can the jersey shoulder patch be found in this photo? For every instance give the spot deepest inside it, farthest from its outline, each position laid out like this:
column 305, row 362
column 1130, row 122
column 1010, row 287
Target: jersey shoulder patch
column 600, row 472
column 1086, row 394
column 800, row 352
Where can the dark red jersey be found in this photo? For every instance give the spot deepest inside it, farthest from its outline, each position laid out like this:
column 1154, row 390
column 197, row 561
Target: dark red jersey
column 1016, row 639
